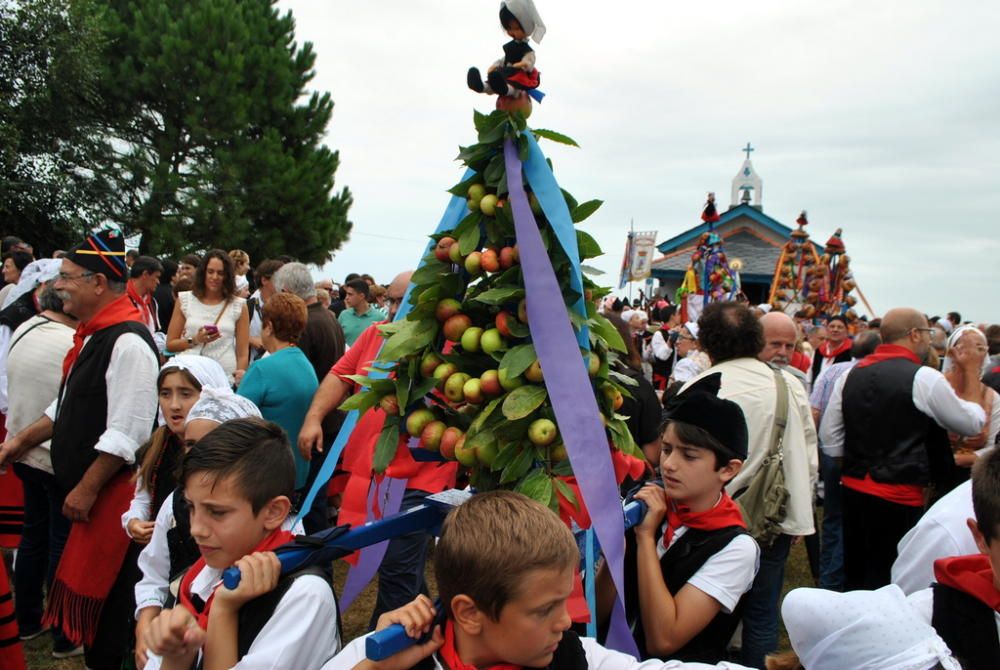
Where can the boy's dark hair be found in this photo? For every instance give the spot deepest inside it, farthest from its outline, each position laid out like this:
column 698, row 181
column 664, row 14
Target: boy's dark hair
column 266, row 268
column 169, row 270
column 490, row 543
column 955, row 318
column 361, row 287
column 699, row 437
column 729, row 330
column 145, row 264
column 986, row 495
column 190, row 259
column 10, row 242
column 351, row 276
column 993, row 339
column 254, row 452
column 837, row 317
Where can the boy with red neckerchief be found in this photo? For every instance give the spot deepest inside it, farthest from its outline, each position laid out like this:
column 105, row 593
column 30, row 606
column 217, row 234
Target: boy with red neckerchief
column 238, row 481
column 504, row 567
column 689, row 562
column 963, row 604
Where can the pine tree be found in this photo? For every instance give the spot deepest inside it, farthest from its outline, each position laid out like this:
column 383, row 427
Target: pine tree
column 215, row 142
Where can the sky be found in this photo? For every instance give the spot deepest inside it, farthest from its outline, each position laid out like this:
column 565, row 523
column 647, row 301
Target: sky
column 879, row 118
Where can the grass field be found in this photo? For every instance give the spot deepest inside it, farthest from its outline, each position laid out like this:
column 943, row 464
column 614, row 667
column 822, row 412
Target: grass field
column 356, row 618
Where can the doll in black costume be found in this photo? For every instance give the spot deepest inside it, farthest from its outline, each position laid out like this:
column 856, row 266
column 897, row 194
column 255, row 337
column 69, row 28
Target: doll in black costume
column 514, row 74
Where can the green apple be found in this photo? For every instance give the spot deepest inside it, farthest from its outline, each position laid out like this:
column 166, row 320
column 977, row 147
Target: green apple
column 429, row 363
column 454, row 385
column 476, row 192
column 542, row 432
column 455, row 253
column 473, row 264
column 430, row 437
column 534, row 372
column 557, row 452
column 488, row 204
column 613, row 395
column 472, row 391
column 470, row 338
column 486, row 453
column 443, row 372
column 510, row 383
column 522, row 310
column 417, row 420
column 491, row 341
column 465, row 455
column 593, row 363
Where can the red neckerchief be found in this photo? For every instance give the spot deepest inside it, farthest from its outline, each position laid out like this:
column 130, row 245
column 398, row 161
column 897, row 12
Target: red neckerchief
column 724, row 514
column 269, row 543
column 117, row 311
column 449, row 654
column 886, row 352
column 145, row 305
column 971, row 575
column 826, row 352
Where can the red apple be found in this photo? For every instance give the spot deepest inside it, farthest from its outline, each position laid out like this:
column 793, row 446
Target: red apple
column 430, row 437
column 510, row 383
column 490, row 261
column 465, row 455
column 417, row 420
column 503, row 323
column 456, row 326
column 441, row 250
column 455, row 253
column 542, row 432
column 389, row 404
column 613, row 395
column 507, row 258
column 446, row 309
column 489, row 382
column 449, row 439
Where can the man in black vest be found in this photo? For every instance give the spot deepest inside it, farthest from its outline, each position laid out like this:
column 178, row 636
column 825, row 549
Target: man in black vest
column 105, row 409
column 881, row 421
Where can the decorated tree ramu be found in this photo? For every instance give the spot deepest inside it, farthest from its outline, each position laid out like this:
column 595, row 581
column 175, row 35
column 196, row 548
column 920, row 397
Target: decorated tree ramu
column 461, row 374
column 709, row 276
column 837, row 281
column 796, row 285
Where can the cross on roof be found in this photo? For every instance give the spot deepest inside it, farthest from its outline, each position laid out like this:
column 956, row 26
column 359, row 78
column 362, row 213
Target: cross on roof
column 748, row 149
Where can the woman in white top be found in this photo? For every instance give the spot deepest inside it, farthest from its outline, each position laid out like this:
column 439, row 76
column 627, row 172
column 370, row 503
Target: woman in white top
column 212, row 320
column 966, row 360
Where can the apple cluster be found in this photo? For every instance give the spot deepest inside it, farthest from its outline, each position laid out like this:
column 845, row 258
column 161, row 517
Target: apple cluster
column 465, row 380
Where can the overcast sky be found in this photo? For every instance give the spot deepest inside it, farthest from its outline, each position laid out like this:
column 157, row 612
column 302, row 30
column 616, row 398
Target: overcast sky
column 881, row 118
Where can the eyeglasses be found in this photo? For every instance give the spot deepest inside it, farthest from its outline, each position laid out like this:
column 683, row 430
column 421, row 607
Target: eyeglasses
column 922, row 330
column 394, row 302
column 65, row 276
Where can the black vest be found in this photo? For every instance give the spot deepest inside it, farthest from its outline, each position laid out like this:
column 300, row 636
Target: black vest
column 82, row 412
column 683, row 559
column 515, row 51
column 885, row 435
column 182, row 547
column 817, row 364
column 967, row 626
column 165, row 478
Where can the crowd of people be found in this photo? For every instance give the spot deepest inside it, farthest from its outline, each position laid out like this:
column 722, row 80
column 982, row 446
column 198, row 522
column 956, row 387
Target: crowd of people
column 166, row 419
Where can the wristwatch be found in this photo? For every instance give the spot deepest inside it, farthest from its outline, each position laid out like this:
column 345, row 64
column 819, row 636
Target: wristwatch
column 190, row 342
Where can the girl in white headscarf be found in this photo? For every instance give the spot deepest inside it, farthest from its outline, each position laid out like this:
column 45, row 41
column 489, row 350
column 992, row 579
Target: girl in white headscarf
column 966, row 360
column 180, row 384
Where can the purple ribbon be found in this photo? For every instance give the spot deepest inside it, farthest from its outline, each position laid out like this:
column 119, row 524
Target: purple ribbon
column 576, row 411
column 389, row 492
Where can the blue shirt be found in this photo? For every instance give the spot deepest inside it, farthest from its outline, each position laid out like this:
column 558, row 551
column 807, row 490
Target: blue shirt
column 282, row 385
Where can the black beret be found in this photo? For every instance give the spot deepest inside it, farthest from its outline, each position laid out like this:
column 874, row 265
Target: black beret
column 103, row 252
column 700, row 405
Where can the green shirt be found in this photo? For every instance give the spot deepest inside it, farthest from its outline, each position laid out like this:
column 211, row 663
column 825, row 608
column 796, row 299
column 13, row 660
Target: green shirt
column 354, row 325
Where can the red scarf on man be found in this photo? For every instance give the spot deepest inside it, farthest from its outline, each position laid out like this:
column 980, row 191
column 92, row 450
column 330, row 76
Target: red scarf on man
column 724, row 514
column 886, row 352
column 269, row 543
column 117, row 311
column 452, row 661
column 826, row 350
column 90, row 563
column 971, row 575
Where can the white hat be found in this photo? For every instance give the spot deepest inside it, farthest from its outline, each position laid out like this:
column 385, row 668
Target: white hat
column 221, row 406
column 207, row 371
column 692, row 327
column 526, row 14
column 861, row 630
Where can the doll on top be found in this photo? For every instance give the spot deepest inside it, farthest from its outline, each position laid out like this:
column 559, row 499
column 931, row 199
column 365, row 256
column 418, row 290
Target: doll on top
column 515, row 73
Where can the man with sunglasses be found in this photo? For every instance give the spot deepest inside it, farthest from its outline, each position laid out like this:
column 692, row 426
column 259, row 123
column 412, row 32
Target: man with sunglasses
column 885, row 421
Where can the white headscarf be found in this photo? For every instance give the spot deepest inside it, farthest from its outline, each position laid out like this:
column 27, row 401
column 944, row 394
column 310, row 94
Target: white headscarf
column 953, row 339
column 207, row 371
column 861, row 630
column 34, row 274
column 692, row 327
column 221, row 405
column 526, row 14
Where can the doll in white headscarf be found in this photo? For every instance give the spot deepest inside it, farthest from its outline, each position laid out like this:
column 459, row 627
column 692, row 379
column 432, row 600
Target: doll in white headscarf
column 515, row 74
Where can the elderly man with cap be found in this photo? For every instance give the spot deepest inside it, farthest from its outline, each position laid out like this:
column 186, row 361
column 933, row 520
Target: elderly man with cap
column 105, row 410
